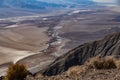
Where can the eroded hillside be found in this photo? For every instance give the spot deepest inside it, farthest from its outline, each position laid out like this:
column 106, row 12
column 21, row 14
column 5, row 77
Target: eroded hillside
column 104, row 47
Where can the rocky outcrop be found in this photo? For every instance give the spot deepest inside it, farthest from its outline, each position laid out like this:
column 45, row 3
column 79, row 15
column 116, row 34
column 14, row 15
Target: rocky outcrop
column 110, row 45
column 109, row 74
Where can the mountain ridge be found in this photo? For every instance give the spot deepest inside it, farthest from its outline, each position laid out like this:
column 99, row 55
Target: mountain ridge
column 42, row 4
column 29, row 4
column 69, row 1
column 104, row 47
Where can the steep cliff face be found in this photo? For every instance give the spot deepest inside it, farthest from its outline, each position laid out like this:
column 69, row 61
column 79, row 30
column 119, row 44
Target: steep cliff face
column 110, row 45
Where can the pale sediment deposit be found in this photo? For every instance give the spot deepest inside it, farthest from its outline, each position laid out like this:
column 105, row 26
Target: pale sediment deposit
column 20, row 41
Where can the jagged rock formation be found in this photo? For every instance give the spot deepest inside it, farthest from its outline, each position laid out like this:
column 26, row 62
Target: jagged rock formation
column 110, row 45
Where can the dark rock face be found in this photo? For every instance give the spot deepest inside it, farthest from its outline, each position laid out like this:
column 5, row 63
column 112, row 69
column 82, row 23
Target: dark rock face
column 110, row 45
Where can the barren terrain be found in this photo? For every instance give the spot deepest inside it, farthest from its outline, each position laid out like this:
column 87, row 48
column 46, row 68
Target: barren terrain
column 20, row 41
column 37, row 41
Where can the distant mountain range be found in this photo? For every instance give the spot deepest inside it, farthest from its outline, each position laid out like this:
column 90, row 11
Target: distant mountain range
column 68, row 1
column 41, row 4
column 13, row 8
column 28, row 4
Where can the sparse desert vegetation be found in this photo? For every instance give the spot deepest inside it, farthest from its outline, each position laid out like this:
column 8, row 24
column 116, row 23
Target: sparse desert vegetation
column 97, row 63
column 101, row 63
column 16, row 72
column 75, row 70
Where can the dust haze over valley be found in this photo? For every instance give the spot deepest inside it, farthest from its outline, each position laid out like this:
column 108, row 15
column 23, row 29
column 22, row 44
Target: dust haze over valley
column 36, row 34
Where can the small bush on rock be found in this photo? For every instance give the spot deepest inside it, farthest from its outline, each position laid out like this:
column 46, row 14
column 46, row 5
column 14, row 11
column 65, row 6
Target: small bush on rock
column 101, row 63
column 16, row 72
column 75, row 70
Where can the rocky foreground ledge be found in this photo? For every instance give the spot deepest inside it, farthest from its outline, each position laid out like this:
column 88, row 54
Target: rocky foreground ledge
column 91, row 75
column 96, row 68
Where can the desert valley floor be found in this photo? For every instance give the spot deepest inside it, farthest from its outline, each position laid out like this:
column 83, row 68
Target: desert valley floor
column 37, row 41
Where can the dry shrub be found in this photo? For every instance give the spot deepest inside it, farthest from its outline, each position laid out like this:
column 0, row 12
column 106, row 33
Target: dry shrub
column 101, row 63
column 75, row 70
column 117, row 62
column 39, row 76
column 105, row 64
column 89, row 64
column 116, row 59
column 108, row 62
column 16, row 72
